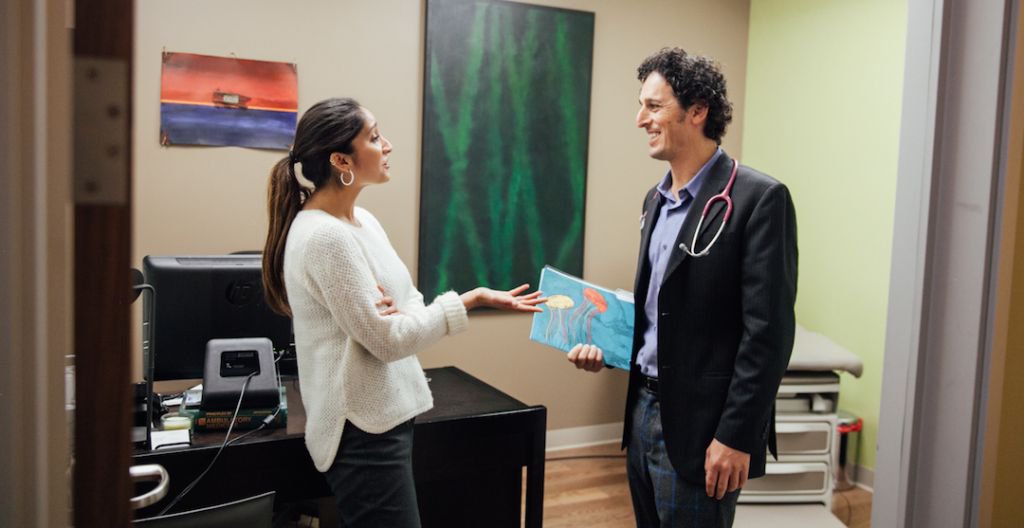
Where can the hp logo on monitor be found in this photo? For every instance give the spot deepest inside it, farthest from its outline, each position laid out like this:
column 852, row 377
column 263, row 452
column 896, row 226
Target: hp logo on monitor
column 241, row 293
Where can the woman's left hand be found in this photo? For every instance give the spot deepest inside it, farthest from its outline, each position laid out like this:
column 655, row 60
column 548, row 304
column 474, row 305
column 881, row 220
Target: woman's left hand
column 504, row 300
column 386, row 304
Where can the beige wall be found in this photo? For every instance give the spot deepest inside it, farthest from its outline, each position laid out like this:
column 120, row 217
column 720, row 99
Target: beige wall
column 212, row 200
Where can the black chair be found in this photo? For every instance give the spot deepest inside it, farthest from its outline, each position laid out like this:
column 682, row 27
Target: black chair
column 254, row 512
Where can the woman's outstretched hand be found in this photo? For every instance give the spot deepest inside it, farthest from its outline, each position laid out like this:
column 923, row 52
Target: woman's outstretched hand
column 504, row 300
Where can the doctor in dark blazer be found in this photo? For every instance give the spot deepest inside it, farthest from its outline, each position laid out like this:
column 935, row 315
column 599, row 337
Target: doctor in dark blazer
column 714, row 311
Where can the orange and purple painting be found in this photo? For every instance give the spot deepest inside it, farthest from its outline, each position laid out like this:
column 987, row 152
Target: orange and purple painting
column 206, row 100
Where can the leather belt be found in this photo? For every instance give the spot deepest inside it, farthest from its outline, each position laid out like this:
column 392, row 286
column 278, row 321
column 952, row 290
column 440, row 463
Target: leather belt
column 649, row 383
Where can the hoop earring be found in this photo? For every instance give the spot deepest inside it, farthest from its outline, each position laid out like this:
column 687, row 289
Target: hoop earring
column 350, row 181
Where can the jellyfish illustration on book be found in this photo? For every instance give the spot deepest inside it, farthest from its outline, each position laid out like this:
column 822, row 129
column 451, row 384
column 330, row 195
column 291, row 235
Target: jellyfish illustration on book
column 557, row 306
column 579, row 312
column 593, row 304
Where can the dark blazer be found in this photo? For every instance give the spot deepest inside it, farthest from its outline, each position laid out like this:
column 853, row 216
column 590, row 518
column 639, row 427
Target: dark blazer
column 726, row 321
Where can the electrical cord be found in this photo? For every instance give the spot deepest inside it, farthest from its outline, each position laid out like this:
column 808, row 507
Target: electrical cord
column 269, row 419
column 231, row 425
column 266, row 421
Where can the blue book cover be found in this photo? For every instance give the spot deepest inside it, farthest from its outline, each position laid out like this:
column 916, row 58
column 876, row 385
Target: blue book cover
column 580, row 312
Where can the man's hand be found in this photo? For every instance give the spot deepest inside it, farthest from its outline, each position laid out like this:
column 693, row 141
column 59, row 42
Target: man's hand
column 725, row 469
column 587, row 357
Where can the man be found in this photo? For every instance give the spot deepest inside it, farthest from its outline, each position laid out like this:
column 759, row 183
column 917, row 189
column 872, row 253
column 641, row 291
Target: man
column 714, row 313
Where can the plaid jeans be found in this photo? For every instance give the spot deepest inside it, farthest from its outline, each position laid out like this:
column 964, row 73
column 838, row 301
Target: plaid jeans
column 660, row 498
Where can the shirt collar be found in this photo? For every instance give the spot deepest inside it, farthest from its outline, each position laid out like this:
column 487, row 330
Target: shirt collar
column 691, row 188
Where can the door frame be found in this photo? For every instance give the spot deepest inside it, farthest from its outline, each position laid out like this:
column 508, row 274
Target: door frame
column 103, row 49
column 35, row 262
column 945, row 246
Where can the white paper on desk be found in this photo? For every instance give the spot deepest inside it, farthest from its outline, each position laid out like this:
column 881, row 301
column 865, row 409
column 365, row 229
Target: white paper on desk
column 173, row 402
column 174, row 437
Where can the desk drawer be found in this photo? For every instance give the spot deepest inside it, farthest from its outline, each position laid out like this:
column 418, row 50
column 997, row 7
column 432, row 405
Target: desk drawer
column 790, row 478
column 803, row 438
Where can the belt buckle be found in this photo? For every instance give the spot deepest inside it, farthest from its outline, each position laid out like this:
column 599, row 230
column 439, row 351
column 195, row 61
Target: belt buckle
column 651, row 384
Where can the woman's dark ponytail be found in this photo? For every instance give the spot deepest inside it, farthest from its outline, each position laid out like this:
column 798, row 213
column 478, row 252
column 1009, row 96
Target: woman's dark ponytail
column 327, row 127
column 285, row 196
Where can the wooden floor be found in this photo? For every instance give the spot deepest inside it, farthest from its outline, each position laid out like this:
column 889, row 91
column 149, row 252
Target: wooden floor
column 592, row 492
column 853, row 507
column 589, row 492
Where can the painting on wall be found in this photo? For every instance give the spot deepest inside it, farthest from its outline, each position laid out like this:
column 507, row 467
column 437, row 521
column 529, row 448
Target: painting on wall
column 206, row 100
column 506, row 118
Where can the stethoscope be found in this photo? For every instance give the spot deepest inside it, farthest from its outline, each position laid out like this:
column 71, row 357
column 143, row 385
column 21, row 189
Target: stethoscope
column 723, row 197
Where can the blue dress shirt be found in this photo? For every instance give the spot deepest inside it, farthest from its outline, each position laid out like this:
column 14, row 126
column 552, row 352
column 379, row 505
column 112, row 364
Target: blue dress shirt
column 671, row 216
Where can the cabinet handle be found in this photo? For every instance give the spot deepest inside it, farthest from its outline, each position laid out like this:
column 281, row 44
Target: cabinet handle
column 149, row 472
column 796, row 428
column 793, row 469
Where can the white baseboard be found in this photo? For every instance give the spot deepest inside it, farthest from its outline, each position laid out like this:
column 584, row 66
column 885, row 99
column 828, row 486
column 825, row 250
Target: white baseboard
column 865, row 478
column 586, row 436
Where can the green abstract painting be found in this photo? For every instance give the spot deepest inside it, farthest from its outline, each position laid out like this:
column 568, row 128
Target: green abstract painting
column 505, row 126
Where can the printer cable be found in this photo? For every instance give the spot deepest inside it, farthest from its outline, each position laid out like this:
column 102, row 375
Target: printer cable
column 238, row 406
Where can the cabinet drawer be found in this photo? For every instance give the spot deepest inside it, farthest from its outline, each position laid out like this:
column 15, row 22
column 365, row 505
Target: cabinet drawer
column 803, row 438
column 790, row 478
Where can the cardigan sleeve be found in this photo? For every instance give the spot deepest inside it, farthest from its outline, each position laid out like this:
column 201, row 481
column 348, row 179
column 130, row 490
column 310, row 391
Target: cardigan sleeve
column 341, row 274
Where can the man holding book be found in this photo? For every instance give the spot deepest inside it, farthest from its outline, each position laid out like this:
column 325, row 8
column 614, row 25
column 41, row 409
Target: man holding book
column 714, row 295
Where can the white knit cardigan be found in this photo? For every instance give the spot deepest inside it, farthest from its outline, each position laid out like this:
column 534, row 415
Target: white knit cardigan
column 353, row 363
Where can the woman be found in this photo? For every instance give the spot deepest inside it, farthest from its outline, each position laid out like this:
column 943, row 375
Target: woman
column 359, row 321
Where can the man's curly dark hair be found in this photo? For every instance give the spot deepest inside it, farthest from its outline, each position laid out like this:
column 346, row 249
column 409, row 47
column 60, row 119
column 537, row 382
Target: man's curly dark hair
column 693, row 79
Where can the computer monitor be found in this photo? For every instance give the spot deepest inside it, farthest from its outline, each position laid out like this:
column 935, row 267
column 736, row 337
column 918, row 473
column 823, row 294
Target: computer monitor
column 198, row 298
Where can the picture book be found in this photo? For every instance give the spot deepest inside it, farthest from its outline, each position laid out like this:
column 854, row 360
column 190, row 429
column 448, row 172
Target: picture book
column 580, row 312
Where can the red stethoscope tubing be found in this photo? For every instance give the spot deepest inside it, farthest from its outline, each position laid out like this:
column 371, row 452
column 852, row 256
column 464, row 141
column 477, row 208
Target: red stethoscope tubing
column 723, row 196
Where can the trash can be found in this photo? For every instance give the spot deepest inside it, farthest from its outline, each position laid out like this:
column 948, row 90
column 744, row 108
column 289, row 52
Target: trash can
column 848, row 423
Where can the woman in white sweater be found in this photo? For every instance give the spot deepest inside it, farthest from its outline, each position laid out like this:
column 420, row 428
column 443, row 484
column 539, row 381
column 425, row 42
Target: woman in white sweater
column 359, row 320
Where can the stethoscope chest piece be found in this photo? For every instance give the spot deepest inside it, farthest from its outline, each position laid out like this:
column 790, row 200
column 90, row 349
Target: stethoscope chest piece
column 723, row 196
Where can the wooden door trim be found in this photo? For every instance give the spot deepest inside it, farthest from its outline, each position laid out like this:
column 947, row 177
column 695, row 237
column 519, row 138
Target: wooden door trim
column 103, row 30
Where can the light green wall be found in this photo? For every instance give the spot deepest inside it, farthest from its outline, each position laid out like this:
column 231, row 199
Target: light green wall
column 824, row 89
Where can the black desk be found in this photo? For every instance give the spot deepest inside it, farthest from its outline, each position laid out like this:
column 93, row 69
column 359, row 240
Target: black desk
column 468, row 458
